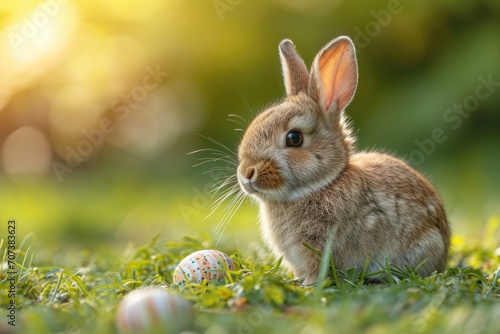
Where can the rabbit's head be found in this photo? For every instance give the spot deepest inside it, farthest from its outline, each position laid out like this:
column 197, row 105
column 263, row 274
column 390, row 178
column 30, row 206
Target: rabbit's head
column 302, row 143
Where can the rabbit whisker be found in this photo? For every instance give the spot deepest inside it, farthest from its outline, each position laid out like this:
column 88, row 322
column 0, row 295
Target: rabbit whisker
column 218, row 143
column 236, row 121
column 221, row 200
column 224, row 159
column 244, row 121
column 246, row 102
column 227, row 170
column 226, row 219
column 220, row 154
column 224, row 182
column 225, row 195
column 205, row 150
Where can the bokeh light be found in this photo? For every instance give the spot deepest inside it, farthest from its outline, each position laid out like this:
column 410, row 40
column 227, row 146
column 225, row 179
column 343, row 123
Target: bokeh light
column 26, row 153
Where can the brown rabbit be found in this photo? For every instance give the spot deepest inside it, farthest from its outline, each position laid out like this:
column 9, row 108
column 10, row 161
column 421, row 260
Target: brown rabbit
column 298, row 161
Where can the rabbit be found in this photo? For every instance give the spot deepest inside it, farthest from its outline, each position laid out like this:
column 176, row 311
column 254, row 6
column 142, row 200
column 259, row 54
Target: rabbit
column 297, row 160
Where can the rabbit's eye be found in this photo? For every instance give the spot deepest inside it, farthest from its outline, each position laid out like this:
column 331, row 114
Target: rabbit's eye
column 294, row 139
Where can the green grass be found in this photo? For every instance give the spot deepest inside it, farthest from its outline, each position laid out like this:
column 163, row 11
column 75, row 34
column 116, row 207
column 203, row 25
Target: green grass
column 82, row 293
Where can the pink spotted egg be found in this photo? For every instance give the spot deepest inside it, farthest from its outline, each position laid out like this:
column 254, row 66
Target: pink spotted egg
column 153, row 310
column 209, row 265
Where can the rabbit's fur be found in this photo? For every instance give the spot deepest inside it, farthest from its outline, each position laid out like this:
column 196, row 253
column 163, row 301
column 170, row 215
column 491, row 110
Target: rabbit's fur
column 373, row 205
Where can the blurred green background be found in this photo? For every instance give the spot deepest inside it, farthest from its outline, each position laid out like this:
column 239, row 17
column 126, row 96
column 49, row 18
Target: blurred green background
column 100, row 102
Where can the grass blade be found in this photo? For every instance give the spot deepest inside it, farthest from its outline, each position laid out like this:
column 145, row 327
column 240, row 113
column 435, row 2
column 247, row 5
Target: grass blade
column 324, row 265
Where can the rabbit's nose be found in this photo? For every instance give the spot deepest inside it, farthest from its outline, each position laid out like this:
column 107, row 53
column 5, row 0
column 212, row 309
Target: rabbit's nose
column 250, row 171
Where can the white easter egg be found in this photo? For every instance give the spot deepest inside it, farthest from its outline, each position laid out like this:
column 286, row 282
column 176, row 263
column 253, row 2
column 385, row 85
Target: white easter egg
column 152, row 310
column 209, row 265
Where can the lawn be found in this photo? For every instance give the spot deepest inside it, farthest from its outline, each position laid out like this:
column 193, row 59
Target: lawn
column 82, row 293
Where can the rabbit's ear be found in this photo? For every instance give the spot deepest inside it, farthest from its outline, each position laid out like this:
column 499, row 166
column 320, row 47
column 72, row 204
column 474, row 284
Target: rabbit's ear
column 295, row 73
column 334, row 76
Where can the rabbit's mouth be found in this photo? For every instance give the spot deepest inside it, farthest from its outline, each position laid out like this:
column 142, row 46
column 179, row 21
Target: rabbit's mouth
column 261, row 179
column 247, row 185
column 250, row 188
column 254, row 189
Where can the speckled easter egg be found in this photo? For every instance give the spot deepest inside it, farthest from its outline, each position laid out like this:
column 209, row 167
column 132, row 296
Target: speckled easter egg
column 208, row 264
column 153, row 310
